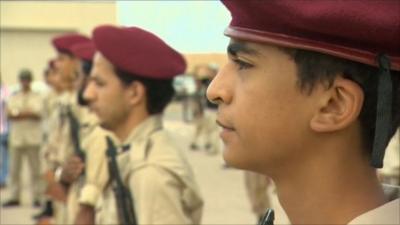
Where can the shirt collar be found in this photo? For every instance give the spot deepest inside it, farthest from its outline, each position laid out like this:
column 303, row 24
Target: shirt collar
column 387, row 213
column 144, row 129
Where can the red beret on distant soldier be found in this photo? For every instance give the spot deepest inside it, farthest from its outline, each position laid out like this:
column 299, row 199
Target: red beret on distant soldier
column 84, row 50
column 138, row 52
column 65, row 42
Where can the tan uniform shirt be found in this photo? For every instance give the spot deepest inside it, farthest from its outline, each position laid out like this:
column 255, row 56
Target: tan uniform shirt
column 50, row 120
column 62, row 143
column 386, row 214
column 50, row 102
column 159, row 178
column 26, row 132
column 58, row 145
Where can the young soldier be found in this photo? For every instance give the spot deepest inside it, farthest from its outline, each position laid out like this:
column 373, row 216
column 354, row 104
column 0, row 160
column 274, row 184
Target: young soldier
column 310, row 98
column 129, row 87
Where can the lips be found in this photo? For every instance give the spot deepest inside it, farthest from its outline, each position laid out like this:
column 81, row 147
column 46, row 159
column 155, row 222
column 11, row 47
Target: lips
column 227, row 133
column 225, row 126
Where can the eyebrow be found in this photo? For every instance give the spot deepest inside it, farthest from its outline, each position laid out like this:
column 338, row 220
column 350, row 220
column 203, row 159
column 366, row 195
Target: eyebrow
column 239, row 47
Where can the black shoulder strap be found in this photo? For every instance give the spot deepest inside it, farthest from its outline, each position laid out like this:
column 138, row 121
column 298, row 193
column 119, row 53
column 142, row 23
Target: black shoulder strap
column 124, row 199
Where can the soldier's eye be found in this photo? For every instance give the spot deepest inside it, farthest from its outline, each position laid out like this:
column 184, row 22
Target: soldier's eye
column 241, row 64
column 99, row 83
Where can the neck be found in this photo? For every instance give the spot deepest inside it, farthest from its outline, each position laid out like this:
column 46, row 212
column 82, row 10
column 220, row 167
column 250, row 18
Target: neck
column 329, row 189
column 123, row 130
column 26, row 90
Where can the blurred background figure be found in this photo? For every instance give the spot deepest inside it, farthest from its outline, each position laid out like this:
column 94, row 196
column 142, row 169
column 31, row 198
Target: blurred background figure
column 204, row 112
column 24, row 110
column 256, row 187
column 3, row 135
column 390, row 173
column 50, row 102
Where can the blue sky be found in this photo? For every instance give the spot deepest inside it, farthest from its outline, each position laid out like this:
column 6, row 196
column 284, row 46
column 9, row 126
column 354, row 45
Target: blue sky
column 188, row 26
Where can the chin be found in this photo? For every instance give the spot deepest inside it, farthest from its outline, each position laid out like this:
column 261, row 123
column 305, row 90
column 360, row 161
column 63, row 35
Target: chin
column 234, row 160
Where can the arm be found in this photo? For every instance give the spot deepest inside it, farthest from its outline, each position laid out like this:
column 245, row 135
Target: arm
column 32, row 113
column 86, row 215
column 72, row 169
column 16, row 115
column 96, row 174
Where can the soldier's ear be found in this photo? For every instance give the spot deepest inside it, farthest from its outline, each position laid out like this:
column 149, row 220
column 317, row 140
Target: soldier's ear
column 136, row 92
column 340, row 106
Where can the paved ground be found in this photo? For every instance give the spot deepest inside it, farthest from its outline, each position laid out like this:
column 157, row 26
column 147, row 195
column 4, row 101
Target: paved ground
column 223, row 189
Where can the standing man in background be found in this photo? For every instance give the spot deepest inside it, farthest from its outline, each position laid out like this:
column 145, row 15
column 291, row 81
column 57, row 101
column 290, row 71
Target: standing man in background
column 24, row 110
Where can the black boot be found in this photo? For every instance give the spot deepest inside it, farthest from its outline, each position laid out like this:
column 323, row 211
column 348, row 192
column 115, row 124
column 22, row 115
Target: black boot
column 47, row 211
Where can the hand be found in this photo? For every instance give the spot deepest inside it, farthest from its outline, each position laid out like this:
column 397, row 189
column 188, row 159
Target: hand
column 72, row 169
column 85, row 215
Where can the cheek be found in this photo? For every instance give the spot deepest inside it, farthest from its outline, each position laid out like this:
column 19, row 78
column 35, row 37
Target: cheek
column 269, row 126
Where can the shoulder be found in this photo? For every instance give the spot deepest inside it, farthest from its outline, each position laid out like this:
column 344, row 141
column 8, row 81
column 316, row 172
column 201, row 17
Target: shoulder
column 163, row 150
column 164, row 154
column 385, row 214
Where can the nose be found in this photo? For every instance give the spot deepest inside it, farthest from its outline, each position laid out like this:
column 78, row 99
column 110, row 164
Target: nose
column 219, row 90
column 89, row 93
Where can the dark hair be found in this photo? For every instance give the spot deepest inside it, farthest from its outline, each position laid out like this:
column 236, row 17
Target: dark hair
column 86, row 67
column 314, row 67
column 25, row 74
column 158, row 92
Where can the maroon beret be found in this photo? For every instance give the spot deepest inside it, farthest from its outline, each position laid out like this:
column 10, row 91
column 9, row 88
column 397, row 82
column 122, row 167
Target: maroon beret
column 84, row 50
column 356, row 30
column 65, row 42
column 138, row 52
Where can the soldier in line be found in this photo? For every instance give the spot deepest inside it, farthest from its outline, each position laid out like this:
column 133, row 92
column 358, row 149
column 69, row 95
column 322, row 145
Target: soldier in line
column 60, row 146
column 24, row 110
column 49, row 121
column 129, row 87
column 86, row 172
column 310, row 98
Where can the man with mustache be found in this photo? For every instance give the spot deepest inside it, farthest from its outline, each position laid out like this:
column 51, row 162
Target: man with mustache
column 129, row 87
